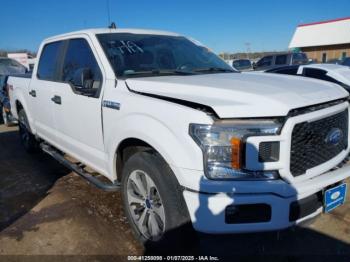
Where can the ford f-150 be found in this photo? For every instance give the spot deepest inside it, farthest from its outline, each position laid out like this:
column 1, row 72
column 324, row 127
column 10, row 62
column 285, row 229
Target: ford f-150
column 185, row 137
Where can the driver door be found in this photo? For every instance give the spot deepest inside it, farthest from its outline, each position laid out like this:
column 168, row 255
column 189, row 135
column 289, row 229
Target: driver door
column 77, row 104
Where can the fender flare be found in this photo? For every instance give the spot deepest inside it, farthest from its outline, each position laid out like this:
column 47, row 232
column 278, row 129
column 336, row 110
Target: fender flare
column 19, row 98
column 168, row 144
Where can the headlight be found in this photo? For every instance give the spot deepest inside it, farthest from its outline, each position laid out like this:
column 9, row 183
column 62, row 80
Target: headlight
column 223, row 145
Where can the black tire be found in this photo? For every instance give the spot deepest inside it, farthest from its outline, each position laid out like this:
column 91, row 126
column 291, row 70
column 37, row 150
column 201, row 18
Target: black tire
column 28, row 140
column 178, row 230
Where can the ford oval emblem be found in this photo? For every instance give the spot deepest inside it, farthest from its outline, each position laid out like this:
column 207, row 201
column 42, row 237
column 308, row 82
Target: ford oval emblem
column 335, row 195
column 334, row 136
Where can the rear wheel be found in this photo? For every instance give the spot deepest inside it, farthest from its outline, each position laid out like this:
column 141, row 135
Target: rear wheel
column 28, row 140
column 153, row 202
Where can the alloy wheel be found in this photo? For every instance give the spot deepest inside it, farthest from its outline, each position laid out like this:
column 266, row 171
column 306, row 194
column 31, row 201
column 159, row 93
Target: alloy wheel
column 145, row 205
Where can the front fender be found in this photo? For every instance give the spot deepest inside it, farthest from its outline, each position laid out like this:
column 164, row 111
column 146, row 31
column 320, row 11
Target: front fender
column 175, row 146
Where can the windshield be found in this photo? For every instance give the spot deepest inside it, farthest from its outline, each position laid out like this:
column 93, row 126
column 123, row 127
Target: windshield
column 139, row 55
column 299, row 58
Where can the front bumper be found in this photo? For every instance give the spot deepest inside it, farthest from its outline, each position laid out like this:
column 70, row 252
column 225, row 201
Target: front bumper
column 207, row 206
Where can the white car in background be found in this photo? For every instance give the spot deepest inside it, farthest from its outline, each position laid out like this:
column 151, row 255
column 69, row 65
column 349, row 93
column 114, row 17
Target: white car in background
column 338, row 74
column 242, row 65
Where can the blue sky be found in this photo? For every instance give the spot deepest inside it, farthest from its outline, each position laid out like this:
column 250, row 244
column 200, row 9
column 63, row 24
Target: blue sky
column 221, row 25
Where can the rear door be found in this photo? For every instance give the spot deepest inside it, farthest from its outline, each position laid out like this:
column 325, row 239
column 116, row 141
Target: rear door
column 77, row 108
column 42, row 89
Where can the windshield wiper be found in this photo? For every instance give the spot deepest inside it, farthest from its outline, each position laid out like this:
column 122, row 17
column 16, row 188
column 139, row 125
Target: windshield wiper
column 183, row 72
column 157, row 72
column 175, row 71
column 214, row 69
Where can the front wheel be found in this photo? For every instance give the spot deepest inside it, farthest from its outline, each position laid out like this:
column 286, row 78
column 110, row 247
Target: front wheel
column 153, row 202
column 28, row 140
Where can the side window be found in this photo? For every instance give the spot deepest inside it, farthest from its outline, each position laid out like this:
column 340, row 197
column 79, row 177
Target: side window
column 265, row 61
column 288, row 71
column 318, row 74
column 281, row 60
column 80, row 68
column 314, row 73
column 48, row 63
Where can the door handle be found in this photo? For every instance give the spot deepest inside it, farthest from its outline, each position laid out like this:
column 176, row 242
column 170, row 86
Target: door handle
column 32, row 93
column 56, row 100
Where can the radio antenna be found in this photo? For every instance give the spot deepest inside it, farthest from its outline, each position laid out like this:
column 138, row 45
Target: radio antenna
column 112, row 26
column 108, row 12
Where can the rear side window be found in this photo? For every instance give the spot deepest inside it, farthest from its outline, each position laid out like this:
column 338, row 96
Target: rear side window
column 79, row 56
column 318, row 74
column 287, row 71
column 48, row 63
column 281, row 60
column 265, row 61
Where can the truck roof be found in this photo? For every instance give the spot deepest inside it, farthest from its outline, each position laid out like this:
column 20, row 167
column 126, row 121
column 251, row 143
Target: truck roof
column 108, row 30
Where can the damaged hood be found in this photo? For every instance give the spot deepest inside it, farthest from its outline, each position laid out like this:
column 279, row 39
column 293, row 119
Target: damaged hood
column 233, row 95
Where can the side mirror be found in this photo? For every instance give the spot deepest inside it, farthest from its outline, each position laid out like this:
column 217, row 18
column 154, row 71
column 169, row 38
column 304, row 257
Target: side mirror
column 82, row 78
column 83, row 82
column 254, row 65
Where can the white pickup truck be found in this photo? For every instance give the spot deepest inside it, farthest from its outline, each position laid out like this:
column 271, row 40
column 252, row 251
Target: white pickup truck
column 187, row 139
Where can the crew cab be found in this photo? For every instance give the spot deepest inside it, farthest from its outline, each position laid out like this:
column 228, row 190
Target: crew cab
column 190, row 142
column 280, row 59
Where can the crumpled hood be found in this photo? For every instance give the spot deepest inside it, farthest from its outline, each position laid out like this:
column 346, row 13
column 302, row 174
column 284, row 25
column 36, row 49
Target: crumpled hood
column 242, row 94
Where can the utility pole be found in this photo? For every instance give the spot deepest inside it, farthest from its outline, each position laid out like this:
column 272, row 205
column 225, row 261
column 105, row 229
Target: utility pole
column 247, row 44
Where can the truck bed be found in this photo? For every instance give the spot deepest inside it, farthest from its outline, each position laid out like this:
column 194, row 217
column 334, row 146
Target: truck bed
column 17, row 82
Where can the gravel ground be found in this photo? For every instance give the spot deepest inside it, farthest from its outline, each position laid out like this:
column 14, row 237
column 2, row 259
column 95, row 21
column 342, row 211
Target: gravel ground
column 47, row 210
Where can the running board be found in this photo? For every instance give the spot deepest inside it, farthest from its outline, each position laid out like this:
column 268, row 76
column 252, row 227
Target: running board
column 110, row 187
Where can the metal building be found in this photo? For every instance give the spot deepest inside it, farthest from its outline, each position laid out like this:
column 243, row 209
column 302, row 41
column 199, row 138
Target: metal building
column 323, row 41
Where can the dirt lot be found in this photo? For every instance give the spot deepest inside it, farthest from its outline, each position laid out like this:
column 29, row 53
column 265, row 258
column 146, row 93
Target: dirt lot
column 47, row 210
